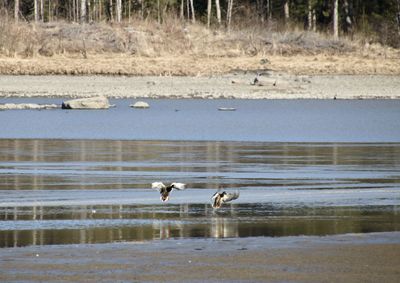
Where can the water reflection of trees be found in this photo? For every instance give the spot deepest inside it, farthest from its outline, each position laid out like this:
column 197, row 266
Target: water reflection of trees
column 209, row 159
column 188, row 221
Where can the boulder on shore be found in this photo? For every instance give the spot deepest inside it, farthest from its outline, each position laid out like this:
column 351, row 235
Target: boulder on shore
column 99, row 102
column 140, row 104
column 25, row 106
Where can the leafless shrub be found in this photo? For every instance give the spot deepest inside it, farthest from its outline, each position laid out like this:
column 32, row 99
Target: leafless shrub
column 151, row 39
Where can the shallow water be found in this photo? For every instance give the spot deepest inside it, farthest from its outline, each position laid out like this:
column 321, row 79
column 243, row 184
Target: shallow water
column 97, row 191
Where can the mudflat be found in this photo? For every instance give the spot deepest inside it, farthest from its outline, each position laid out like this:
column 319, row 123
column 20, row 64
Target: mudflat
column 373, row 257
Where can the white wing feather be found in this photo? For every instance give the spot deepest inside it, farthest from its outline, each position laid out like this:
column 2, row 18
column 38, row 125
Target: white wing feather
column 230, row 196
column 157, row 185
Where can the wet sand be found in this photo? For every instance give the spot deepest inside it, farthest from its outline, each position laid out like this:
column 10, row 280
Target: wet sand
column 241, row 85
column 371, row 257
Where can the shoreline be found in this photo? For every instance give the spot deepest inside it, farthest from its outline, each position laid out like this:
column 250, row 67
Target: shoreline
column 236, row 85
column 370, row 257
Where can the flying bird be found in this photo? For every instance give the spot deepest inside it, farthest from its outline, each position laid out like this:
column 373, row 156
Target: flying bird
column 165, row 190
column 219, row 198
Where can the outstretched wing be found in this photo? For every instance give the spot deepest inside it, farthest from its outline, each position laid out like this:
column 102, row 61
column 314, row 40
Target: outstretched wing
column 230, row 196
column 178, row 186
column 214, row 195
column 158, row 186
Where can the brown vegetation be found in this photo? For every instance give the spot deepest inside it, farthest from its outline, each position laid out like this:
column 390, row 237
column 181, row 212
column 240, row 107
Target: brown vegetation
column 177, row 48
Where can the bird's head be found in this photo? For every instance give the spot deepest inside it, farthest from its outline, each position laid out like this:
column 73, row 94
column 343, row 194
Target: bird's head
column 164, row 196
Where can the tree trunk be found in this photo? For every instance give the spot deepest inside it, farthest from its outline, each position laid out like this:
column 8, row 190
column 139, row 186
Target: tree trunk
column 35, row 9
column 181, row 12
column 261, row 10
column 158, row 12
column 129, row 11
column 192, row 9
column 16, row 10
column 49, row 11
column 208, row 13
column 398, row 16
column 42, row 10
column 336, row 19
column 229, row 14
column 100, row 10
column 188, row 9
column 269, row 10
column 314, row 19
column 286, row 10
column 218, row 12
column 349, row 22
column 310, row 16
column 119, row 11
column 112, row 11
column 75, row 3
column 83, row 11
column 89, row 14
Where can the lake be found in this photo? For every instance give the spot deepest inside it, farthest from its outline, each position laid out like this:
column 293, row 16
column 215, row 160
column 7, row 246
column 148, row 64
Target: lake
column 301, row 167
column 253, row 120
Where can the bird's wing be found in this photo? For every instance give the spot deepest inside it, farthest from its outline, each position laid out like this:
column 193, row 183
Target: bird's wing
column 157, row 185
column 230, row 196
column 179, row 186
column 214, row 196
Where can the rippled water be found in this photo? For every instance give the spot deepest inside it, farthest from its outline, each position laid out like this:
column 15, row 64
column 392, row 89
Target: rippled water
column 97, row 191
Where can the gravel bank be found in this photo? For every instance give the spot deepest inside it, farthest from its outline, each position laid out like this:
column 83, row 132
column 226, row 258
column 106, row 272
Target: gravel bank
column 240, row 85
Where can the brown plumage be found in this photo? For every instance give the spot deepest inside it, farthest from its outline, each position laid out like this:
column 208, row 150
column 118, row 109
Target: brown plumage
column 220, row 198
column 166, row 190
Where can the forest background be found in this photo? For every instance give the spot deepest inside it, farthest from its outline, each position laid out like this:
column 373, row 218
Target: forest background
column 142, row 37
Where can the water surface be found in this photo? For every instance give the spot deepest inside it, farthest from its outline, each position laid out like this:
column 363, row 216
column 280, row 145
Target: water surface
column 98, row 191
column 253, row 120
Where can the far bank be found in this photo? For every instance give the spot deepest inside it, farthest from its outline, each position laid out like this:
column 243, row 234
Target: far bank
column 235, row 85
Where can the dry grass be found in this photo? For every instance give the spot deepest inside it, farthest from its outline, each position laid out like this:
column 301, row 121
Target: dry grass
column 176, row 48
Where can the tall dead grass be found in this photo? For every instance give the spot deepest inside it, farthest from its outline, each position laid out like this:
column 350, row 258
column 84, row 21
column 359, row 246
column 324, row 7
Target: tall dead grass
column 145, row 47
column 148, row 38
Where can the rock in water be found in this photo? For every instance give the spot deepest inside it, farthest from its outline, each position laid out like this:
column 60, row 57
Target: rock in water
column 23, row 106
column 99, row 102
column 140, row 104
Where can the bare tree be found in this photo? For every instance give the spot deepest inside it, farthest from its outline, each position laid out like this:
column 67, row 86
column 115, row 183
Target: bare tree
column 286, row 10
column 129, row 11
column 89, row 12
column 83, row 11
column 158, row 12
column 218, row 11
column 261, row 10
column 16, row 10
column 229, row 14
column 208, row 13
column 111, row 11
column 336, row 19
column 42, row 10
column 349, row 22
column 192, row 9
column 314, row 20
column 119, row 10
column 182, row 14
column 309, row 16
column 35, row 10
column 398, row 16
column 49, row 14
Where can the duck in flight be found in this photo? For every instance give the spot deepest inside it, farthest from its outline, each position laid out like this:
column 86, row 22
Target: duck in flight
column 220, row 198
column 166, row 190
